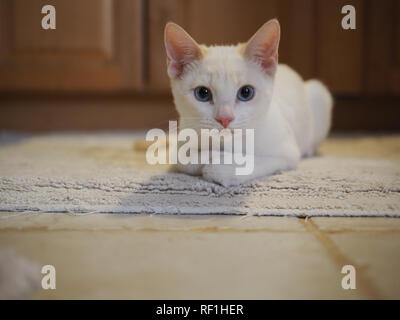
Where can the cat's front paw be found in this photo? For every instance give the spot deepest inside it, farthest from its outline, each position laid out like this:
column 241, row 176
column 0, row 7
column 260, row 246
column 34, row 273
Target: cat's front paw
column 224, row 174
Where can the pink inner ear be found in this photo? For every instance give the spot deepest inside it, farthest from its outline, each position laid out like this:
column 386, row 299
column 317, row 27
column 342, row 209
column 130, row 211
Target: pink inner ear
column 181, row 49
column 175, row 68
column 268, row 58
column 263, row 46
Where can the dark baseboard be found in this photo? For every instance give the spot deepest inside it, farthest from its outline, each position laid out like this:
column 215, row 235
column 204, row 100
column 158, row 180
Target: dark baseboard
column 369, row 113
column 130, row 112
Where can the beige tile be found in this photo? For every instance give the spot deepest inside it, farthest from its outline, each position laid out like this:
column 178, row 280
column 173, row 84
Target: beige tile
column 377, row 254
column 182, row 265
column 352, row 145
column 59, row 221
column 343, row 224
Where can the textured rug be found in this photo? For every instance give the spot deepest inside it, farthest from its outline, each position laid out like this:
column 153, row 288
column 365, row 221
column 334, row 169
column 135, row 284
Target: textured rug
column 84, row 173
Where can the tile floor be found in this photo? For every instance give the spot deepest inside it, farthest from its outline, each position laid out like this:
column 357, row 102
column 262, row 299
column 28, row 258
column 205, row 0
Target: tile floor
column 223, row 257
column 208, row 257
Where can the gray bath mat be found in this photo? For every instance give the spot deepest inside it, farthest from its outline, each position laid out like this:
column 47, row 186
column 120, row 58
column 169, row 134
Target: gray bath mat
column 102, row 173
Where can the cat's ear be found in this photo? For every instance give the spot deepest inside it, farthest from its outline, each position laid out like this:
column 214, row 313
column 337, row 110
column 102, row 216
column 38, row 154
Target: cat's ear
column 263, row 46
column 181, row 49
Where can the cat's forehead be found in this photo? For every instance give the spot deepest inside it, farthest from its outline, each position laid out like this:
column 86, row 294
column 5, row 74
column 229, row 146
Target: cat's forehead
column 221, row 65
column 218, row 52
column 223, row 58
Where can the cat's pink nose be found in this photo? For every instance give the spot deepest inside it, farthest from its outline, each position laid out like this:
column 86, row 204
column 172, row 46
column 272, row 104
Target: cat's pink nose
column 224, row 120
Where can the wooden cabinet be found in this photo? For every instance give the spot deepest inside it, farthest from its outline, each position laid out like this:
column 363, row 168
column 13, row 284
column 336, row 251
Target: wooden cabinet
column 113, row 45
column 111, row 52
column 97, row 45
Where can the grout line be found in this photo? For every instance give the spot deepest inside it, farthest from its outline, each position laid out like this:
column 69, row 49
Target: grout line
column 363, row 281
column 371, row 231
column 211, row 229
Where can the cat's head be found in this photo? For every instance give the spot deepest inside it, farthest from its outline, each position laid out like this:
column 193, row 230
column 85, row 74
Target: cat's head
column 222, row 86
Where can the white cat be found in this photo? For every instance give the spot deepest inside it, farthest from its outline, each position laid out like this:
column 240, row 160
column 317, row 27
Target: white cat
column 243, row 87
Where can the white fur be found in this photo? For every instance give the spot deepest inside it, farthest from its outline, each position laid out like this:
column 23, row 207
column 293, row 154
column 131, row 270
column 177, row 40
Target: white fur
column 290, row 117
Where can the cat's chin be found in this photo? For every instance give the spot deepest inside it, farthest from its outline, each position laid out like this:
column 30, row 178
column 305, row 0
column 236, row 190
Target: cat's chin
column 223, row 131
column 226, row 131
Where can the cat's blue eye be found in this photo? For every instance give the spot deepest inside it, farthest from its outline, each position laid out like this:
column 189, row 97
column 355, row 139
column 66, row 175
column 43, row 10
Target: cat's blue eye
column 245, row 93
column 203, row 94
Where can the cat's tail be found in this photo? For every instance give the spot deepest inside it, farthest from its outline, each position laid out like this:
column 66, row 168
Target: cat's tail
column 321, row 103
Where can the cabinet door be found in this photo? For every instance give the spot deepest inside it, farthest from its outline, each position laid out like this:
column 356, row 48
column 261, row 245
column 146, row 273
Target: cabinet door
column 312, row 40
column 96, row 46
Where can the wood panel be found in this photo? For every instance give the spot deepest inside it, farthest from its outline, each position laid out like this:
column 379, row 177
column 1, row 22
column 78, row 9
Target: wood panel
column 382, row 50
column 96, row 46
column 229, row 21
column 159, row 13
column 299, row 31
column 82, row 26
column 339, row 52
column 85, row 112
